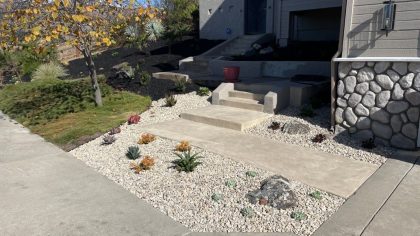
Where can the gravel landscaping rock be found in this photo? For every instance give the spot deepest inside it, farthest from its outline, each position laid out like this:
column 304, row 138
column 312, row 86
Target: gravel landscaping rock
column 189, row 198
column 341, row 144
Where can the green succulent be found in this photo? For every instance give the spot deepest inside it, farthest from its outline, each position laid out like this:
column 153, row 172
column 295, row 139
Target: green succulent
column 298, row 216
column 217, row 197
column 186, row 161
column 231, row 183
column 170, row 100
column 317, row 195
column 133, row 153
column 203, row 91
column 251, row 174
column 247, row 212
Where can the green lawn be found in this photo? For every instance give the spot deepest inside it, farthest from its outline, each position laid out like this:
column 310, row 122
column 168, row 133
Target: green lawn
column 64, row 112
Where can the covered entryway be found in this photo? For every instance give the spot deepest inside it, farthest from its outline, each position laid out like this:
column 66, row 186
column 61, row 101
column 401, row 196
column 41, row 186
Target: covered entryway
column 255, row 16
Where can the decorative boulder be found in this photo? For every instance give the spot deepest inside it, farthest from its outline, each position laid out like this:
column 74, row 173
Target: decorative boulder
column 296, row 127
column 277, row 191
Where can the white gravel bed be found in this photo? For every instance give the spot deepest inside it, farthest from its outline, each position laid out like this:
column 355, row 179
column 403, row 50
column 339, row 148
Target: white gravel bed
column 342, row 145
column 187, row 197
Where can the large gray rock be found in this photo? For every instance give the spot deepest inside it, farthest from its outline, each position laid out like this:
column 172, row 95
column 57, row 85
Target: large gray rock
column 363, row 123
column 350, row 83
column 407, row 80
column 341, row 90
column 296, row 127
column 413, row 114
column 362, row 88
column 366, row 74
column 381, row 67
column 341, row 102
column 395, row 107
column 381, row 130
column 349, row 116
column 393, row 75
column 398, row 92
column 382, row 99
column 361, row 110
column 343, row 69
column 414, row 67
column 416, row 83
column 396, row 123
column 358, row 65
column 362, row 135
column 277, row 191
column 374, row 87
column 369, row 99
column 354, row 99
column 385, row 82
column 400, row 67
column 410, row 130
column 400, row 141
column 339, row 118
column 379, row 114
column 413, row 97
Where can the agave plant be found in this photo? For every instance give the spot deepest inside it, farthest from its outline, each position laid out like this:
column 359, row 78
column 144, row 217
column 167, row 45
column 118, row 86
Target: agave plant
column 133, row 153
column 186, row 161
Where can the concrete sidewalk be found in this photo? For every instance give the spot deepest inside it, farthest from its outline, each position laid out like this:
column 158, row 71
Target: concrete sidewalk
column 387, row 204
column 338, row 175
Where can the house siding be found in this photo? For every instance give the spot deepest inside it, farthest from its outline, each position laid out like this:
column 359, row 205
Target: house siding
column 283, row 8
column 364, row 37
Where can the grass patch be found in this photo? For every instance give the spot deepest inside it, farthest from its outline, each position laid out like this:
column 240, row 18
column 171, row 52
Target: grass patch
column 64, row 112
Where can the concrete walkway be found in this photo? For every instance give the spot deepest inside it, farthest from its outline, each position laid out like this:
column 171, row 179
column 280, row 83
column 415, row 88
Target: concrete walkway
column 334, row 174
column 387, row 204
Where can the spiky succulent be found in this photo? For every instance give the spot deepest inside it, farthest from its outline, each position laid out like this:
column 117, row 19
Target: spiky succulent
column 247, row 212
column 133, row 153
column 186, row 161
column 298, row 216
column 108, row 140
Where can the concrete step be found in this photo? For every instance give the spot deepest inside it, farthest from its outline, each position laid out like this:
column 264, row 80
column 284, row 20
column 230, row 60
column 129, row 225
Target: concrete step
column 226, row 117
column 246, row 95
column 248, row 104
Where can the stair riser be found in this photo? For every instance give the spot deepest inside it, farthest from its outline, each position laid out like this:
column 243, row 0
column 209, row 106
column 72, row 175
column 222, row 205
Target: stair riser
column 258, row 97
column 212, row 121
column 251, row 107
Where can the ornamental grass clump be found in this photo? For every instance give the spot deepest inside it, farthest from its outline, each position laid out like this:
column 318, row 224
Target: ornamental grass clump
column 49, row 71
column 183, row 146
column 170, row 100
column 203, row 91
column 146, row 164
column 180, row 85
column 146, row 138
column 187, row 162
column 133, row 153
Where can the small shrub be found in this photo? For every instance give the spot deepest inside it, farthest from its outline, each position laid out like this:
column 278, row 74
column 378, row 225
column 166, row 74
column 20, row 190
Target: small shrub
column 231, row 183
column 108, row 140
column 114, row 131
column 317, row 195
column 133, row 153
column 298, row 216
column 146, row 138
column 369, row 144
column 274, row 125
column 170, row 100
column 147, row 163
column 319, row 138
column 115, row 54
column 217, row 197
column 247, row 212
column 145, row 78
column 180, row 85
column 307, row 111
column 183, row 146
column 186, row 161
column 203, row 91
column 134, row 119
column 251, row 174
column 49, row 71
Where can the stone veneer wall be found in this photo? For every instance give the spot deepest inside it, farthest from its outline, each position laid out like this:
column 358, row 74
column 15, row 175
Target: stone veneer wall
column 379, row 100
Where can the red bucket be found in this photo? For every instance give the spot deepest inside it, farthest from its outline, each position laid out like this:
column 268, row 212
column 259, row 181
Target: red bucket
column 231, row 74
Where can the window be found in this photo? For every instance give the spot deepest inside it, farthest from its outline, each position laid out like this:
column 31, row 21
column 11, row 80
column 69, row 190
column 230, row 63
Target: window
column 388, row 15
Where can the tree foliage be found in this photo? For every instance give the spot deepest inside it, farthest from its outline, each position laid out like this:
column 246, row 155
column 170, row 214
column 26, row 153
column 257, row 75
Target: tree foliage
column 84, row 24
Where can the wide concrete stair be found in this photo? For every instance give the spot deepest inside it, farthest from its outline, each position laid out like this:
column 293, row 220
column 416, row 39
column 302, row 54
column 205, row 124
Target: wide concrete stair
column 240, row 45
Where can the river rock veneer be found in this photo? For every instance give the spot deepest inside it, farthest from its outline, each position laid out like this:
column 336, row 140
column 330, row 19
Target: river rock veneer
column 379, row 100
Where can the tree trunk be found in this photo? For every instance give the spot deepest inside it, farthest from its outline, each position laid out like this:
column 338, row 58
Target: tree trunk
column 94, row 78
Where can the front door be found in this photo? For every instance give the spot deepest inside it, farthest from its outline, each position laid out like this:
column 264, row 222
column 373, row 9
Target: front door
column 255, row 16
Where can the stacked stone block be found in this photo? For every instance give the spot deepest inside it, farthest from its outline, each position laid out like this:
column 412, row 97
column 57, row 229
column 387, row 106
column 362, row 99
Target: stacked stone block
column 379, row 100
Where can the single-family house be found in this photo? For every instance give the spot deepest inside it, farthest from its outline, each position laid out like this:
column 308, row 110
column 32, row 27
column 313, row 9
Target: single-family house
column 375, row 74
